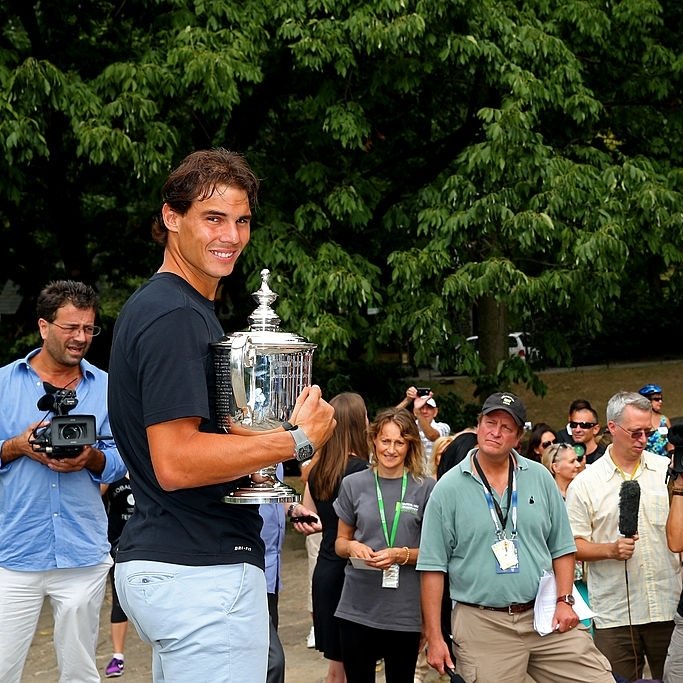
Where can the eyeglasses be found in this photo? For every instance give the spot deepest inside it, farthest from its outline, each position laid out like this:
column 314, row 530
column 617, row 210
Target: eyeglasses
column 88, row 330
column 655, row 398
column 583, row 425
column 637, row 433
column 545, row 444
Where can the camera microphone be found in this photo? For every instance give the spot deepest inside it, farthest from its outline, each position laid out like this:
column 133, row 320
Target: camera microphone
column 629, row 501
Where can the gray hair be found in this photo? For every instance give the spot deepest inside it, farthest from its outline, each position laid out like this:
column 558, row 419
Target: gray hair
column 621, row 400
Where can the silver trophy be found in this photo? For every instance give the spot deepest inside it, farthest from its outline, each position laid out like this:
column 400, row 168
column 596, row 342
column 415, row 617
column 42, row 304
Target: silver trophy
column 259, row 374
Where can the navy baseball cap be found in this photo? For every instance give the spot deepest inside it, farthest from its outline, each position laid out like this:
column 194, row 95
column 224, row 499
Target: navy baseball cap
column 508, row 402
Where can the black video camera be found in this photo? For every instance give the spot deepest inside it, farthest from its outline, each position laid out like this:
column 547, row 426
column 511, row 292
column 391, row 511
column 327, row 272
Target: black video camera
column 66, row 435
column 675, row 436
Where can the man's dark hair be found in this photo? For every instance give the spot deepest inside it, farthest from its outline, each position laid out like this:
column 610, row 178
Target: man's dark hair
column 580, row 404
column 61, row 292
column 591, row 410
column 196, row 178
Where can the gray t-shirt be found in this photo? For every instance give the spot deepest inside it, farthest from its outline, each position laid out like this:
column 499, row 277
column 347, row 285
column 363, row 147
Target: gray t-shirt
column 363, row 599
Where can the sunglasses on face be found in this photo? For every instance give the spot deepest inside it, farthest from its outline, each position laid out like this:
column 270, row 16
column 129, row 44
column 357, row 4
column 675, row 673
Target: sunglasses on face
column 637, row 433
column 583, row 425
column 545, row 444
column 656, row 398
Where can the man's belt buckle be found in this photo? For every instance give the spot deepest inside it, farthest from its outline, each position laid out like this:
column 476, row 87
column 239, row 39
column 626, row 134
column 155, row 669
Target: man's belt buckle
column 518, row 608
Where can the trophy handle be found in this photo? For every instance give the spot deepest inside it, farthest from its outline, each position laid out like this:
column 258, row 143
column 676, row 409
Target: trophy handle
column 238, row 352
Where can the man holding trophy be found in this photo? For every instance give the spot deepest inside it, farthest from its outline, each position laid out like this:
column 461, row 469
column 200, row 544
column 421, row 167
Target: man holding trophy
column 190, row 567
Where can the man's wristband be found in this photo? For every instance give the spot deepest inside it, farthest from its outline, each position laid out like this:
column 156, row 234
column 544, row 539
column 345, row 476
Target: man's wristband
column 675, row 492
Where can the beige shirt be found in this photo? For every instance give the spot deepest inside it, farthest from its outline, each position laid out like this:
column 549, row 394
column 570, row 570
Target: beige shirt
column 654, row 577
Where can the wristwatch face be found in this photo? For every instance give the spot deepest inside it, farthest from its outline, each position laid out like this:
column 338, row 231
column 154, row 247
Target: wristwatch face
column 569, row 599
column 304, row 452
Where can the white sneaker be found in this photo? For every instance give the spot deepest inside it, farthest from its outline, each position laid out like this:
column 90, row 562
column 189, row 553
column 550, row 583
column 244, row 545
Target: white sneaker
column 310, row 640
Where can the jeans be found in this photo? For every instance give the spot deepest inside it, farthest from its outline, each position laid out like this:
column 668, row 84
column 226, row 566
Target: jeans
column 204, row 623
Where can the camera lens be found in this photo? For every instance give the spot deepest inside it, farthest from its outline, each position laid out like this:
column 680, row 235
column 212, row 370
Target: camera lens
column 72, row 432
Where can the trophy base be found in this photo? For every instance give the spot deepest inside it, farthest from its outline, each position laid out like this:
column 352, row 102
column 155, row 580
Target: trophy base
column 253, row 495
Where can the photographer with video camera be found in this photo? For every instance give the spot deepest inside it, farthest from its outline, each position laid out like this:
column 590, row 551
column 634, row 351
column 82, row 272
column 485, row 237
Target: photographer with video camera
column 673, row 666
column 53, row 526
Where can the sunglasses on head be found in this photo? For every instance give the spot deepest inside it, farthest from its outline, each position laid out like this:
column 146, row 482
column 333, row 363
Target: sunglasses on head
column 545, row 444
column 561, row 447
column 583, row 425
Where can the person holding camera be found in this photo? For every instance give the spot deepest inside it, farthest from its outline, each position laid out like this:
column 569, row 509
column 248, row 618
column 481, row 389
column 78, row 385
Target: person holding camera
column 425, row 411
column 53, row 526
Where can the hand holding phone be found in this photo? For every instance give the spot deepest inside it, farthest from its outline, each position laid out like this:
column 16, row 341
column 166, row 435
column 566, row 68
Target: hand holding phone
column 457, row 678
column 305, row 519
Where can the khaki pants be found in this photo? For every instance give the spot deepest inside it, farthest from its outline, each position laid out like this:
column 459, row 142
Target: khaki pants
column 497, row 647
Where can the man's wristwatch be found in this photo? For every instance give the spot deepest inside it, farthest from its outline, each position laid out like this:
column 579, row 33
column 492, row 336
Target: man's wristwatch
column 569, row 599
column 303, row 448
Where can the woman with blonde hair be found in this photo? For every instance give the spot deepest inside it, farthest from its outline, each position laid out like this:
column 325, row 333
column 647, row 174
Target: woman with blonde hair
column 563, row 463
column 380, row 520
column 346, row 452
column 438, row 447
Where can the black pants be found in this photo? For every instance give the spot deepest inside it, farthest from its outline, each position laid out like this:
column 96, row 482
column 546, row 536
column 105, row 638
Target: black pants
column 276, row 655
column 362, row 646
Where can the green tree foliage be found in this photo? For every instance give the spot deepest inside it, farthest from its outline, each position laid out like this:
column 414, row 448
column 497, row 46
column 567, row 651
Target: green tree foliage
column 427, row 158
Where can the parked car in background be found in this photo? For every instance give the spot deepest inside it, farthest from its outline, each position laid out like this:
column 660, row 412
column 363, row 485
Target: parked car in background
column 517, row 348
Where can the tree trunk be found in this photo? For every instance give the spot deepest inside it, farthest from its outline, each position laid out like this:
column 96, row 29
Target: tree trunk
column 493, row 333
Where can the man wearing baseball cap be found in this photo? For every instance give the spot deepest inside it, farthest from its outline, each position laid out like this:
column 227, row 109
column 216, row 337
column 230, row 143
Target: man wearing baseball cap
column 494, row 524
column 425, row 411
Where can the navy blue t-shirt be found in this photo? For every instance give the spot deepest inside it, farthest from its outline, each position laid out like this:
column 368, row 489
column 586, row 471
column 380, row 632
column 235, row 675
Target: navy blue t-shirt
column 161, row 369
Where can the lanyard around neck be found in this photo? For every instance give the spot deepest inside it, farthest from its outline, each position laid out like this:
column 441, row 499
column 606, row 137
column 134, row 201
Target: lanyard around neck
column 494, row 507
column 625, row 476
column 397, row 512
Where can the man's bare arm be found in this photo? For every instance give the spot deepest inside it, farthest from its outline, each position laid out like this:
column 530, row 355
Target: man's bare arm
column 183, row 457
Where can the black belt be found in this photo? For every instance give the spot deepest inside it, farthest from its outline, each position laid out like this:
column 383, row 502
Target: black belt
column 515, row 608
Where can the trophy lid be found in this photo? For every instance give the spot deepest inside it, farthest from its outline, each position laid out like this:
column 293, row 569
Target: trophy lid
column 264, row 318
column 264, row 326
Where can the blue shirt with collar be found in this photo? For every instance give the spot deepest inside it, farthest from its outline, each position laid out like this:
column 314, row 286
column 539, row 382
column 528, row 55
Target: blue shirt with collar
column 51, row 520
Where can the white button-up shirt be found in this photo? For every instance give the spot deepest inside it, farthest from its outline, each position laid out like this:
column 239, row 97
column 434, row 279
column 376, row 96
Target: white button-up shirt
column 654, row 579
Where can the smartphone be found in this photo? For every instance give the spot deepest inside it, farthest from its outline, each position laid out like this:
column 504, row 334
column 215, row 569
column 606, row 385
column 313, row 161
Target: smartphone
column 304, row 519
column 457, row 678
column 423, row 391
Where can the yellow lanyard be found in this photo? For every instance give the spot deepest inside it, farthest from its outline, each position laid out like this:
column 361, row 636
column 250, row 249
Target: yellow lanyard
column 627, row 477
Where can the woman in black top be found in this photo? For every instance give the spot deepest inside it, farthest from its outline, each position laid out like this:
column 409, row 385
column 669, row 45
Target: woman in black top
column 346, row 452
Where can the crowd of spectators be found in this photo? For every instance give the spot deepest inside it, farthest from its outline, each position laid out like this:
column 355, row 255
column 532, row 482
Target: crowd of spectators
column 405, row 560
